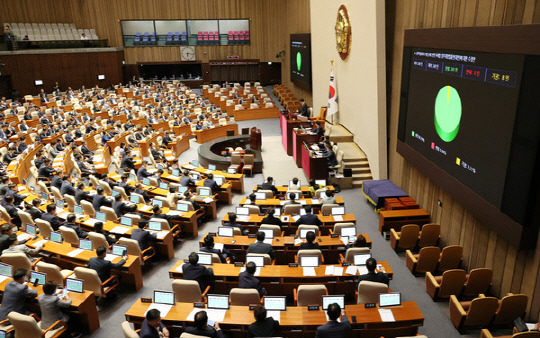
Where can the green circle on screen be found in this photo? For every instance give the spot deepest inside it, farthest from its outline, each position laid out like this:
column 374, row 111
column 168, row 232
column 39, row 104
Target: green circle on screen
column 447, row 113
column 298, row 61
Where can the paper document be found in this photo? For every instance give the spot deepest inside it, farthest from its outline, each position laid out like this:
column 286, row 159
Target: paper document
column 119, row 230
column 338, row 271
column 216, row 315
column 208, row 200
column 179, row 268
column 329, row 270
column 174, row 213
column 146, row 208
column 75, row 252
column 338, row 218
column 190, row 166
column 387, row 315
column 309, row 271
column 163, row 309
column 302, row 202
column 351, row 270
column 362, row 270
column 23, row 237
column 296, row 217
column 316, row 201
column 243, row 218
column 282, row 202
column 268, row 241
column 219, row 246
column 274, row 314
column 161, row 234
column 298, row 241
column 91, row 221
column 345, row 240
column 110, row 257
column 40, row 243
column 3, row 278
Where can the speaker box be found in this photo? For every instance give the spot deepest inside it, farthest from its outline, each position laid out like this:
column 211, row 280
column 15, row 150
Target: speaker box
column 347, row 172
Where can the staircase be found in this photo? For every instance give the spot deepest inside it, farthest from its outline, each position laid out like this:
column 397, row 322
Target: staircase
column 354, row 158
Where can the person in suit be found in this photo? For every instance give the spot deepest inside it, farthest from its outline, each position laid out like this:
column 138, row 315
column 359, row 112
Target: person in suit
column 260, row 246
column 15, row 295
column 99, row 199
column 317, row 129
column 210, row 183
column 46, row 169
column 185, row 180
column 193, row 271
column 263, row 326
column 295, row 184
column 309, row 218
column 142, row 172
column 7, row 230
column 310, row 242
column 232, row 223
column 102, row 266
column 33, row 209
column 292, row 199
column 52, row 307
column 304, row 111
column 12, row 191
column 67, row 187
column 209, row 247
column 271, row 218
column 167, row 139
column 16, row 247
column 121, row 208
column 9, row 155
column 124, row 184
column 127, row 161
column 334, row 329
column 269, row 185
column 80, row 194
column 201, row 327
column 152, row 327
column 142, row 236
column 70, row 223
column 50, row 216
column 247, row 279
column 98, row 228
column 372, row 276
column 11, row 210
column 329, row 199
column 138, row 190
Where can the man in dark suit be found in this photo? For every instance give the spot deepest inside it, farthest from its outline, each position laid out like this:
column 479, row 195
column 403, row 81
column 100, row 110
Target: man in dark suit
column 209, row 247
column 185, row 180
column 124, row 184
column 70, row 223
column 12, row 191
column 232, row 223
column 15, row 295
column 50, row 216
column 372, row 276
column 263, row 326
column 334, row 329
column 46, row 169
column 269, row 185
column 142, row 236
column 271, row 218
column 304, row 111
column 56, row 181
column 99, row 199
column 247, row 280
column 201, row 327
column 152, row 327
column 121, row 208
column 309, row 218
column 193, row 271
column 127, row 161
column 11, row 210
column 80, row 194
column 210, row 183
column 67, row 187
column 310, row 242
column 260, row 246
column 102, row 266
column 140, row 191
column 34, row 210
column 142, row 172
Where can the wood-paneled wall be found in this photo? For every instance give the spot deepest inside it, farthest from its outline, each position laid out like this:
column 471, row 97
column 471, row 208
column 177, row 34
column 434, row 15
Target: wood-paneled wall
column 515, row 271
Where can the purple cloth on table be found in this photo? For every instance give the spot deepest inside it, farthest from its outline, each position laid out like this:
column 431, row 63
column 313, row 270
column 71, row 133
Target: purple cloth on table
column 378, row 190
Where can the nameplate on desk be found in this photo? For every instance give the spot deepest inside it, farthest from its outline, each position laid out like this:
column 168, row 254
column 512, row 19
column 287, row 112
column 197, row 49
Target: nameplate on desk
column 198, row 304
column 334, row 235
column 252, row 306
column 212, row 234
column 293, row 265
column 146, row 300
column 370, row 305
column 345, row 264
column 313, row 307
column 252, row 236
column 186, row 260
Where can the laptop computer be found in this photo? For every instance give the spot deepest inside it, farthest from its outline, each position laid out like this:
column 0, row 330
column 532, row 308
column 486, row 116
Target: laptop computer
column 242, row 211
column 74, row 285
column 309, row 261
column 155, row 226
column 360, row 259
column 205, row 258
column 157, row 202
column 225, row 231
column 389, row 299
column 261, row 196
column 164, row 186
column 77, row 210
column 275, row 303
column 100, row 216
column 31, row 230
column 258, row 260
column 134, row 199
column 56, row 237
column 40, row 277
column 182, row 207
column 6, row 270
column 126, row 221
column 219, row 181
column 85, row 244
column 338, row 299
column 205, row 192
column 348, row 232
column 220, row 302
column 119, row 250
column 337, row 211
column 268, row 233
column 164, row 297
column 211, row 167
column 303, row 233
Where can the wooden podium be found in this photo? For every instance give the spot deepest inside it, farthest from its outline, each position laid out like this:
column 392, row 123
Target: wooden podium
column 255, row 139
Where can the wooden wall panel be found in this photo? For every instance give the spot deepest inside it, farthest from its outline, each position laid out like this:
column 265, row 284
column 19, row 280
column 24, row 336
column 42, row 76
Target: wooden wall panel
column 515, row 270
column 57, row 11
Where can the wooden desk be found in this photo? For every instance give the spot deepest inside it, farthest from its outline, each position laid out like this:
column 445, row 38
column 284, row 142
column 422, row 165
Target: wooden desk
column 237, row 180
column 277, row 203
column 281, row 280
column 206, row 135
column 316, row 168
column 287, row 127
column 224, row 193
column 180, row 145
column 83, row 305
column 188, row 219
column 254, row 113
column 298, row 138
column 297, row 320
column 395, row 219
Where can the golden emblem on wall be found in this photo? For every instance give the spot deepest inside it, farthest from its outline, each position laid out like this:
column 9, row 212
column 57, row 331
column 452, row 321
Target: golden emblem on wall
column 343, row 32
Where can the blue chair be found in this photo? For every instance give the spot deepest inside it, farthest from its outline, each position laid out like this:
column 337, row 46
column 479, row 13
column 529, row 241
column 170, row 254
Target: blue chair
column 136, row 40
column 176, row 40
column 152, row 39
column 183, row 38
column 169, row 40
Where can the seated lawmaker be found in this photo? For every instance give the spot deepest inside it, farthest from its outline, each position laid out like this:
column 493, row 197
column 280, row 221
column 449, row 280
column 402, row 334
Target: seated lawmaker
column 310, row 242
column 201, row 327
column 247, row 279
column 152, row 327
column 309, row 218
column 271, row 218
column 15, row 294
column 194, row 271
column 260, row 247
column 209, row 247
column 372, row 276
column 263, row 326
column 333, row 328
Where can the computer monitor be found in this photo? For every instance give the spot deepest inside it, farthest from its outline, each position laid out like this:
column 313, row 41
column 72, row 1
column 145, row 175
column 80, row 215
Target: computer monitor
column 242, row 211
column 225, row 231
column 119, row 250
column 260, row 196
column 30, row 229
column 219, row 180
column 164, row 297
column 182, row 207
column 291, row 183
column 258, row 260
column 134, row 199
column 211, row 167
column 309, row 261
column 338, row 299
column 56, row 237
column 182, row 189
column 126, row 221
column 2, row 334
column 296, row 195
column 360, row 259
column 205, row 258
column 39, row 276
column 85, row 244
column 268, row 233
column 389, row 299
column 155, row 226
column 120, row 171
column 321, row 182
column 44, row 195
column 159, row 166
column 101, row 216
column 6, row 270
column 132, row 177
column 74, row 285
column 204, row 192
column 175, row 172
column 231, row 171
column 60, row 204
column 195, row 163
column 337, row 211
column 146, row 181
column 159, row 203
column 77, row 210
column 114, row 193
column 164, row 186
column 348, row 232
column 277, row 212
column 217, row 302
column 303, row 233
column 275, row 303
column 86, row 182
column 195, row 176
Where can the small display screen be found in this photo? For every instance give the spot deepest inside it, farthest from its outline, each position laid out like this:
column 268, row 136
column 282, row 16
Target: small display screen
column 74, row 285
column 217, row 301
column 56, row 237
column 337, row 211
column 275, row 303
column 119, row 250
column 164, row 297
column 6, row 270
column 389, row 299
column 225, row 231
column 205, row 259
column 258, row 260
column 155, row 226
column 39, row 276
column 101, row 216
column 309, row 261
column 360, row 259
column 85, row 244
column 327, row 300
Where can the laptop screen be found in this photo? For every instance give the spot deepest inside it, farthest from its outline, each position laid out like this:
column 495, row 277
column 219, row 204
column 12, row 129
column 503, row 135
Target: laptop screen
column 39, row 276
column 195, row 163
column 153, row 225
column 120, row 171
column 389, row 299
column 258, row 260
column 360, row 259
column 6, row 270
column 260, row 195
column 164, row 297
column 114, row 193
column 205, row 259
column 134, row 199
column 268, row 233
column 56, row 237
column 321, row 182
column 119, row 250
column 211, row 167
column 163, row 185
column 2, row 334
column 303, row 233
column 204, row 192
column 327, row 300
column 309, row 261
column 77, row 210
column 194, row 176
column 225, row 231
column 60, row 204
column 338, row 211
column 30, row 229
column 157, row 202
column 132, row 177
column 242, row 211
column 231, row 171
column 126, row 221
column 175, row 172
column 101, row 216
column 44, row 195
column 85, row 244
column 182, row 207
column 277, row 212
column 275, row 303
column 146, row 181
column 182, row 189
column 219, row 180
column 74, row 285
column 348, row 232
column 217, row 302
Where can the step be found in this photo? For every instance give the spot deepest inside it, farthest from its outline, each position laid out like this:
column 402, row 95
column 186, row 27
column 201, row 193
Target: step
column 364, row 170
column 357, row 183
column 356, row 164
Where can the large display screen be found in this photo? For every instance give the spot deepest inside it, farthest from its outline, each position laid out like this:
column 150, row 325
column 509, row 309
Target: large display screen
column 300, row 58
column 460, row 111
